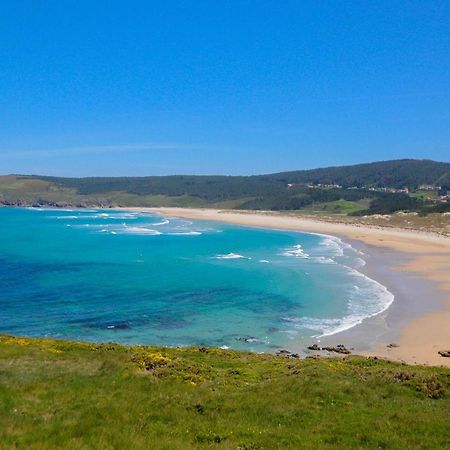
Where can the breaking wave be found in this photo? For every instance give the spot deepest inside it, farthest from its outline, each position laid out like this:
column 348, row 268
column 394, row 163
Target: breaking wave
column 230, row 256
column 295, row 251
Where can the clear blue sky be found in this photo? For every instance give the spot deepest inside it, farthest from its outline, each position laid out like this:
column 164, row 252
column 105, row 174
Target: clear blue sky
column 230, row 87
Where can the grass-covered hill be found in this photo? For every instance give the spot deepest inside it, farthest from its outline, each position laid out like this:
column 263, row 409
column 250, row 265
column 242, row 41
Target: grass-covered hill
column 68, row 395
column 282, row 191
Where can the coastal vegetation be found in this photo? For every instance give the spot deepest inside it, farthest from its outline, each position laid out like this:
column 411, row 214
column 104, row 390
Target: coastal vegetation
column 71, row 395
column 376, row 188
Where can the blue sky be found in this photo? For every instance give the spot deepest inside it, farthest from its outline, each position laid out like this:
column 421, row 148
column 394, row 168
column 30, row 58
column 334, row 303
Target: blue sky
column 230, row 87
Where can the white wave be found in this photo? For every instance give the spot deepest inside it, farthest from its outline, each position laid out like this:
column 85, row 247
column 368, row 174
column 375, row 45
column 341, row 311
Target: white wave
column 265, row 261
column 106, row 216
column 296, row 251
column 360, row 262
column 184, row 233
column 96, row 216
column 334, row 247
column 331, row 245
column 121, row 229
column 325, row 327
column 141, row 230
column 119, row 216
column 164, row 222
column 367, row 299
column 33, row 208
column 323, row 260
column 230, row 256
column 91, row 225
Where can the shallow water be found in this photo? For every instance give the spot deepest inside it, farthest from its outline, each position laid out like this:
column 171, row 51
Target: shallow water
column 141, row 278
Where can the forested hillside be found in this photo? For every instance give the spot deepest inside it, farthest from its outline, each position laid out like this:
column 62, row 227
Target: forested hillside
column 362, row 188
column 396, row 174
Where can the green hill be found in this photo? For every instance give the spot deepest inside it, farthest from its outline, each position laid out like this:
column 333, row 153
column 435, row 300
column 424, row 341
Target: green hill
column 352, row 189
column 69, row 395
column 396, row 174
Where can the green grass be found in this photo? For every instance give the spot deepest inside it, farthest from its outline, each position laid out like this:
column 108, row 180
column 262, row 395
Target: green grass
column 17, row 189
column 424, row 195
column 336, row 207
column 56, row 394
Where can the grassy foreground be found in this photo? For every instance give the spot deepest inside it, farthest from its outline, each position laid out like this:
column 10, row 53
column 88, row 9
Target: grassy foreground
column 68, row 395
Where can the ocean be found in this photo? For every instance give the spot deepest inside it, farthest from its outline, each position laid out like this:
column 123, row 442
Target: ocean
column 144, row 278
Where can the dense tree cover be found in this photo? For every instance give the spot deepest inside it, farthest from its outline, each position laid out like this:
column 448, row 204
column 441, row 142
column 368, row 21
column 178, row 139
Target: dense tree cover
column 397, row 174
column 281, row 191
column 209, row 188
column 299, row 198
column 386, row 203
column 438, row 208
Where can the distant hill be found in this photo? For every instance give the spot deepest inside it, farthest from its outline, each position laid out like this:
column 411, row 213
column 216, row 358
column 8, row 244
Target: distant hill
column 396, row 174
column 345, row 189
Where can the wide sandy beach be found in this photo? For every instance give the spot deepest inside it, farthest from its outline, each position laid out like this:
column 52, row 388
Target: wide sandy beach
column 415, row 266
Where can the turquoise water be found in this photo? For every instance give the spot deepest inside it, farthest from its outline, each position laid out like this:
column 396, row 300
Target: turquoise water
column 141, row 278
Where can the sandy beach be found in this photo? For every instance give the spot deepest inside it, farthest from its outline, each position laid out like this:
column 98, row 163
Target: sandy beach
column 415, row 266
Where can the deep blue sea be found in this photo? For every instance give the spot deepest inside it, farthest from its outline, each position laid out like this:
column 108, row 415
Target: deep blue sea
column 142, row 278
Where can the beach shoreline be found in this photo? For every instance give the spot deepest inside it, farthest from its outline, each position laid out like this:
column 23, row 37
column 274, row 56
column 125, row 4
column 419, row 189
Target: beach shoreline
column 414, row 266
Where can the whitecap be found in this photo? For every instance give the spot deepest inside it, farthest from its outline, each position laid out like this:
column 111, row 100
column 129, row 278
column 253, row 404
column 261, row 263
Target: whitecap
column 323, row 260
column 65, row 210
column 139, row 230
column 230, row 256
column 164, row 222
column 296, row 251
column 119, row 216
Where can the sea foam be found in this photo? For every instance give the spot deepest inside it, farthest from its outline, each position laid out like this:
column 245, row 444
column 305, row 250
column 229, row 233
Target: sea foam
column 230, row 256
column 367, row 299
column 296, row 251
